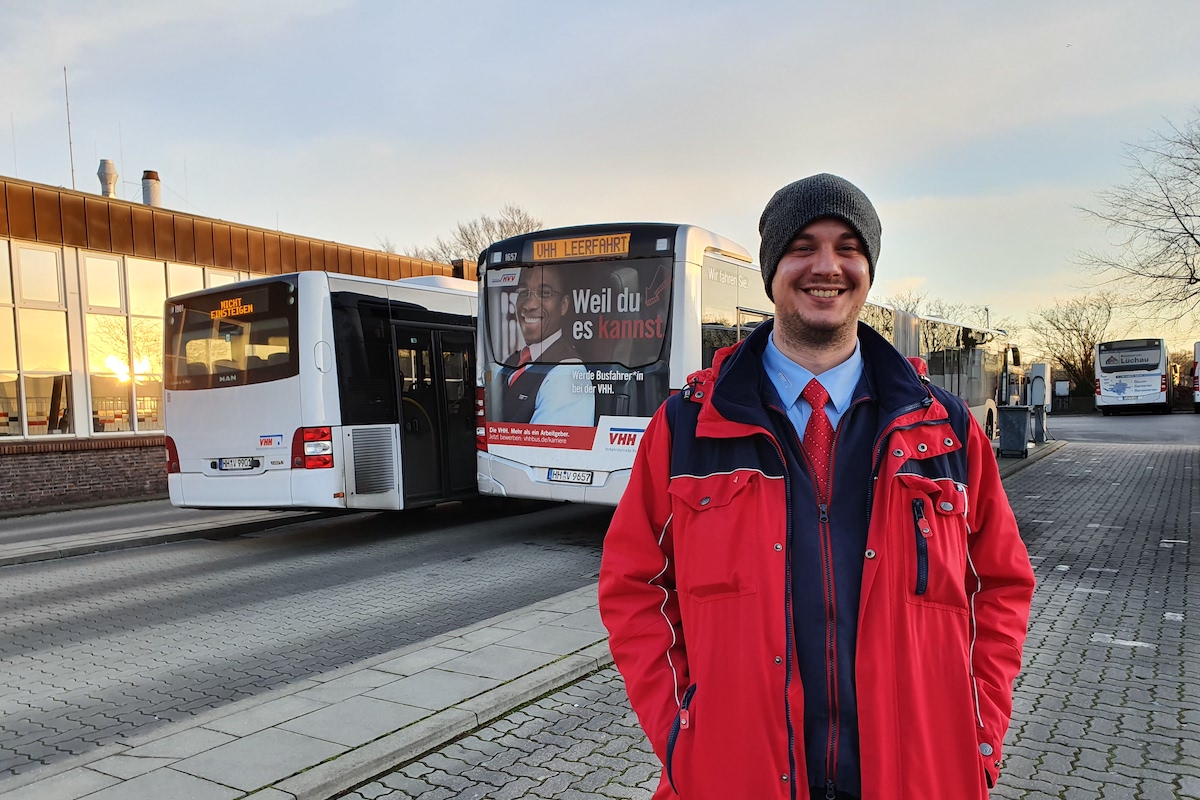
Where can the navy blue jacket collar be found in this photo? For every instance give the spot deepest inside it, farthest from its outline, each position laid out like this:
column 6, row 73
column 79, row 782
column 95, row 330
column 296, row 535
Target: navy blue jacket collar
column 891, row 380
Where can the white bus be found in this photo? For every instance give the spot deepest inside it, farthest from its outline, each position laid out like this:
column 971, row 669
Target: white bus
column 1133, row 374
column 611, row 318
column 980, row 365
column 322, row 391
column 584, row 331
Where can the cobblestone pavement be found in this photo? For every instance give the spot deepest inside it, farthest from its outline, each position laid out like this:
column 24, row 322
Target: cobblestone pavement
column 1108, row 704
column 101, row 647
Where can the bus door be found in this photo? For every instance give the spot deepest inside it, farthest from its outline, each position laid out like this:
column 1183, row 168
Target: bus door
column 458, row 381
column 420, row 439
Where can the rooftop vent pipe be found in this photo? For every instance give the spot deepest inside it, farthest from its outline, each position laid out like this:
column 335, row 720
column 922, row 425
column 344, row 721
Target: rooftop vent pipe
column 108, row 178
column 151, row 189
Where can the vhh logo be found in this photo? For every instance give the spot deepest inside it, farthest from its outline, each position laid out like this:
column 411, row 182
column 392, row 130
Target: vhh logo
column 622, row 438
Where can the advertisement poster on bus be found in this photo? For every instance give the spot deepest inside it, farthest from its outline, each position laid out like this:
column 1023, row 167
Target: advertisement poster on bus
column 578, row 355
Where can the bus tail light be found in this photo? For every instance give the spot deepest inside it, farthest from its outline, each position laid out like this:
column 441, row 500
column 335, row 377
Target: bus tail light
column 480, row 421
column 172, row 456
column 1196, row 376
column 1097, row 387
column 1163, row 384
column 312, row 448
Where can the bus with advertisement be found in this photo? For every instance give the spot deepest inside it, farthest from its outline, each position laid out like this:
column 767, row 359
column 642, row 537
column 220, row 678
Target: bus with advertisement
column 584, row 332
column 1133, row 375
column 321, row 391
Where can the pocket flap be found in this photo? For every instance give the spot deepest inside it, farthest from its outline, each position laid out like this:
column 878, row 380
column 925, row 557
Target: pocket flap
column 947, row 496
column 714, row 491
column 953, row 499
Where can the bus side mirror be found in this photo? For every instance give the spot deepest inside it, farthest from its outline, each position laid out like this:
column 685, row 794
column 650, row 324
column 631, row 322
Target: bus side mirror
column 1016, row 355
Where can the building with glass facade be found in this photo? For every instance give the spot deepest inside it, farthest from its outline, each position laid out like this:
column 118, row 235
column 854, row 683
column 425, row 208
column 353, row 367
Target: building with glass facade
column 83, row 279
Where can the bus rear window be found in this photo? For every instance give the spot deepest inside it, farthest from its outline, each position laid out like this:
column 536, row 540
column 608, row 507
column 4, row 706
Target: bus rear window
column 1130, row 356
column 232, row 337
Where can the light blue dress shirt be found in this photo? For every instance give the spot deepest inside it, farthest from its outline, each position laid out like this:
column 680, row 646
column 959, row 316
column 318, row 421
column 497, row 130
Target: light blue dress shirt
column 790, row 379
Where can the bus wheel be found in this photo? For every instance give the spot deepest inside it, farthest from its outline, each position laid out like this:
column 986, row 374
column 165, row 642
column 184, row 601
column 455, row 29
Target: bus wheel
column 1196, row 408
column 990, row 427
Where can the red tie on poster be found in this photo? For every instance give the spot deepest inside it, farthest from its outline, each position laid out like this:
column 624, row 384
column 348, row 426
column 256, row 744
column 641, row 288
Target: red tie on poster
column 818, row 434
column 526, row 357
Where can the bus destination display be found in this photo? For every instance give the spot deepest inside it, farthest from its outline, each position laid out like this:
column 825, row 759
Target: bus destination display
column 615, row 244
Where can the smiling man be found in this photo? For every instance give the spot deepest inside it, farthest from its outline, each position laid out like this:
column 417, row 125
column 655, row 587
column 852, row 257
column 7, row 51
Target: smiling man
column 536, row 391
column 814, row 585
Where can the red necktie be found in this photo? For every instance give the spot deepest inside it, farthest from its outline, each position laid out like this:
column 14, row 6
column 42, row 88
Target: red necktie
column 526, row 357
column 818, row 435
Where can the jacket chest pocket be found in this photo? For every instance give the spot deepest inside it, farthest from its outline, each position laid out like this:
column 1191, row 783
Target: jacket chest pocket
column 932, row 532
column 714, row 522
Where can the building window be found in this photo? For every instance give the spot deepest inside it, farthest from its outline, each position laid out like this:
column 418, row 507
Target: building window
column 103, row 282
column 184, row 279
column 10, row 415
column 39, row 276
column 109, row 375
column 46, row 365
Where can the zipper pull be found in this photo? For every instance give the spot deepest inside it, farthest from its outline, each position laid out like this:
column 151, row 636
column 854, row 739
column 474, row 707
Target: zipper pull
column 922, row 523
column 830, row 791
column 684, row 718
column 824, row 512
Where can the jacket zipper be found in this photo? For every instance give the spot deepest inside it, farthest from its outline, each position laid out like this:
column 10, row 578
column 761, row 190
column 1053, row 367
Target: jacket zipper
column 923, row 533
column 682, row 721
column 787, row 611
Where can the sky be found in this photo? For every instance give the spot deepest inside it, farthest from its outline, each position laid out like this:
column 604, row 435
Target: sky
column 978, row 130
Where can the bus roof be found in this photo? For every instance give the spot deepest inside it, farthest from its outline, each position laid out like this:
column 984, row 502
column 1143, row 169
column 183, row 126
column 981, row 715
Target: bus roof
column 643, row 238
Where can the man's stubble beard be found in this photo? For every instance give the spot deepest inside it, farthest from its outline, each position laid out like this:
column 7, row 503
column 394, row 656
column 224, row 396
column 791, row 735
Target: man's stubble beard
column 799, row 335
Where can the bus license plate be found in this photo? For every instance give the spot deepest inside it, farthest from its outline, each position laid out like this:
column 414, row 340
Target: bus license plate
column 571, row 476
column 235, row 463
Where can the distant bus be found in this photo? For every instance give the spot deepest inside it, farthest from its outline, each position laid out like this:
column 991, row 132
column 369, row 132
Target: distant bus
column 980, row 365
column 584, row 332
column 1196, row 377
column 1133, row 375
column 321, row 391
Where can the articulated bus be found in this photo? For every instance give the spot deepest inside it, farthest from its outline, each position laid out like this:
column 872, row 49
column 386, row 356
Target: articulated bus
column 979, row 365
column 321, row 391
column 1133, row 375
column 584, row 331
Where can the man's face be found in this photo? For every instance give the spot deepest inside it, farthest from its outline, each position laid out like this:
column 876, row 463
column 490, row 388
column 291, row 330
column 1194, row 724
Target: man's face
column 821, row 283
column 541, row 303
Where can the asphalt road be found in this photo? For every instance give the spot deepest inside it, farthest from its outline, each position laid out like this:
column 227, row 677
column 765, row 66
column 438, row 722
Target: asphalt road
column 1133, row 428
column 95, row 648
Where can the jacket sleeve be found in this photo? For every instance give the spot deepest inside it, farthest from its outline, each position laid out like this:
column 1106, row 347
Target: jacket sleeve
column 1000, row 582
column 638, row 601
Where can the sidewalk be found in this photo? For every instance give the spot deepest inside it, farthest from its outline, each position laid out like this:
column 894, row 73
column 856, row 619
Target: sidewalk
column 317, row 738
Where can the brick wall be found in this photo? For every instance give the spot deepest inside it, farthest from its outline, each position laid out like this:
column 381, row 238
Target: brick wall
column 41, row 474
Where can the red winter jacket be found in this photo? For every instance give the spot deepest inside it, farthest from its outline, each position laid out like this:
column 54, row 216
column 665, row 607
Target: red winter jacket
column 693, row 588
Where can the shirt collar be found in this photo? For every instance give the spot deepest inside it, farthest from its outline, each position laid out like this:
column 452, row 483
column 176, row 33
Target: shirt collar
column 789, row 378
column 537, row 348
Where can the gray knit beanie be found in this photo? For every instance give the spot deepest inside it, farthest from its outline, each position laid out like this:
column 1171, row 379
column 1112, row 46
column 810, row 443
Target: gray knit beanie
column 807, row 200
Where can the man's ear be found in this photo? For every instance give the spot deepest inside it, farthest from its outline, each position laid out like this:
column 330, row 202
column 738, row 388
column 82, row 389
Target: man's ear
column 562, row 305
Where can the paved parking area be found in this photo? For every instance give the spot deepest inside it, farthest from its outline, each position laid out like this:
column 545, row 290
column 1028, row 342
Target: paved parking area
column 1108, row 705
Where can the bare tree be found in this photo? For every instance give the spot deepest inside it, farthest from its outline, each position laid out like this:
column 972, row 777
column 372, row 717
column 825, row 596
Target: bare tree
column 386, row 244
column 1067, row 333
column 468, row 239
column 1156, row 216
column 909, row 300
